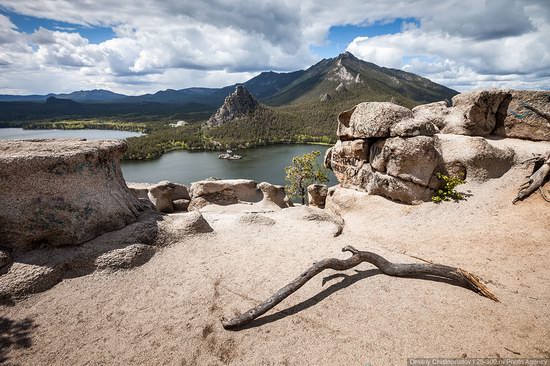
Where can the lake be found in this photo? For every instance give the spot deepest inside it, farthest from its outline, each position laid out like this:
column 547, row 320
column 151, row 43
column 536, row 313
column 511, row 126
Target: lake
column 19, row 133
column 262, row 164
column 265, row 163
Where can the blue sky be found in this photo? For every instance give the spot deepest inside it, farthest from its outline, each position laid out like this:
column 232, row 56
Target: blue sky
column 29, row 24
column 340, row 36
column 131, row 47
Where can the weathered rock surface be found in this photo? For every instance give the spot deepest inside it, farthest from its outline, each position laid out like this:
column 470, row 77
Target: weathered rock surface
column 370, row 119
column 62, row 192
column 413, row 127
column 161, row 196
column 346, row 159
column 473, row 156
column 273, row 195
column 317, row 195
column 477, row 113
column 528, row 116
column 180, row 192
column 177, row 226
column 342, row 200
column 257, row 219
column 432, row 112
column 238, row 104
column 412, row 159
column 397, row 189
column 40, row 269
column 223, row 192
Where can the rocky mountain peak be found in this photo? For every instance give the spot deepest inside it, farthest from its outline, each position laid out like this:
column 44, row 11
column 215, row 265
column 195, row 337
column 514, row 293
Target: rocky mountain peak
column 237, row 104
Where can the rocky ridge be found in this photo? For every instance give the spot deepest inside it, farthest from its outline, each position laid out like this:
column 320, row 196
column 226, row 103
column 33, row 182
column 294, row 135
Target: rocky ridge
column 238, row 104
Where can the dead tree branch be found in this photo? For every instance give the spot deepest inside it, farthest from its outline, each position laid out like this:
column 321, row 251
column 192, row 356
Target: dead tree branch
column 453, row 274
column 536, row 180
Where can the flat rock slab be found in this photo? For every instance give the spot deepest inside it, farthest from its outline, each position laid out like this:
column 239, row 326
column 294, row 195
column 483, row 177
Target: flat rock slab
column 62, row 192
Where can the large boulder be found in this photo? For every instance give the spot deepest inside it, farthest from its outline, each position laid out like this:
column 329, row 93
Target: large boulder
column 528, row 116
column 223, row 192
column 347, row 158
column 274, row 195
column 413, row 127
column 477, row 113
column 412, row 159
column 433, row 112
column 180, row 192
column 317, row 195
column 397, row 189
column 473, row 157
column 62, row 192
column 161, row 196
column 370, row 119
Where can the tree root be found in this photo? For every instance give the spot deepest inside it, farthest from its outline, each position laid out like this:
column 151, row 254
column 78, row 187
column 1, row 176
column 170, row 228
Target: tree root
column 452, row 274
column 536, row 180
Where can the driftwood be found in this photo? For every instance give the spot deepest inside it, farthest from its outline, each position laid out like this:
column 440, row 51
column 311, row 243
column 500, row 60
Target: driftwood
column 535, row 180
column 455, row 275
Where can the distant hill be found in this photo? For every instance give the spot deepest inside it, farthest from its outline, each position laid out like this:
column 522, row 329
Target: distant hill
column 96, row 95
column 360, row 81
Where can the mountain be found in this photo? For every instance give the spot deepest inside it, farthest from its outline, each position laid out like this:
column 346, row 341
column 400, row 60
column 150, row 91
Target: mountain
column 363, row 80
column 358, row 80
column 309, row 99
column 96, row 95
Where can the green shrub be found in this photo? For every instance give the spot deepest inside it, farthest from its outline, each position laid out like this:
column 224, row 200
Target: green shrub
column 448, row 192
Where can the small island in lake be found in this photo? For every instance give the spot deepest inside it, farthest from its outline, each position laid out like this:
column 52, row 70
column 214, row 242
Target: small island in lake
column 229, row 155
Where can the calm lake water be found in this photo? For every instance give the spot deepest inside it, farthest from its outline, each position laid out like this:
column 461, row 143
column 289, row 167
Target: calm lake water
column 19, row 133
column 261, row 164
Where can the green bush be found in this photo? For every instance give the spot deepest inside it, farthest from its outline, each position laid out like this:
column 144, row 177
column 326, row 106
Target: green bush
column 448, row 192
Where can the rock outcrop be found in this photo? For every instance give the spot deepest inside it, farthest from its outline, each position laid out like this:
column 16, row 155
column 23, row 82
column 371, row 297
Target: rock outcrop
column 381, row 116
column 389, row 150
column 528, row 116
column 477, row 113
column 523, row 114
column 223, row 192
column 62, row 192
column 67, row 213
column 234, row 191
column 238, row 104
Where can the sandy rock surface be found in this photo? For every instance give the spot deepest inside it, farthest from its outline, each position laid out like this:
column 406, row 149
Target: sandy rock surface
column 168, row 310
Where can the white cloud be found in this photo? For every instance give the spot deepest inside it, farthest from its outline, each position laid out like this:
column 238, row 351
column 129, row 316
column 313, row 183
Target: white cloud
column 175, row 44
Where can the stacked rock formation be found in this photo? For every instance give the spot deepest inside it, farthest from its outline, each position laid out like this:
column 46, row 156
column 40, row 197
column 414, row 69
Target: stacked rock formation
column 395, row 152
column 238, row 104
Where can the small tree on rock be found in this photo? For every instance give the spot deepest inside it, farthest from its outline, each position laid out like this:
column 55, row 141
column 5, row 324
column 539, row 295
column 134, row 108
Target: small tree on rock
column 305, row 170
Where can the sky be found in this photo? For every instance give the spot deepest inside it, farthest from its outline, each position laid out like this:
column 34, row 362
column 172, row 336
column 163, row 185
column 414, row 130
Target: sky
column 140, row 46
